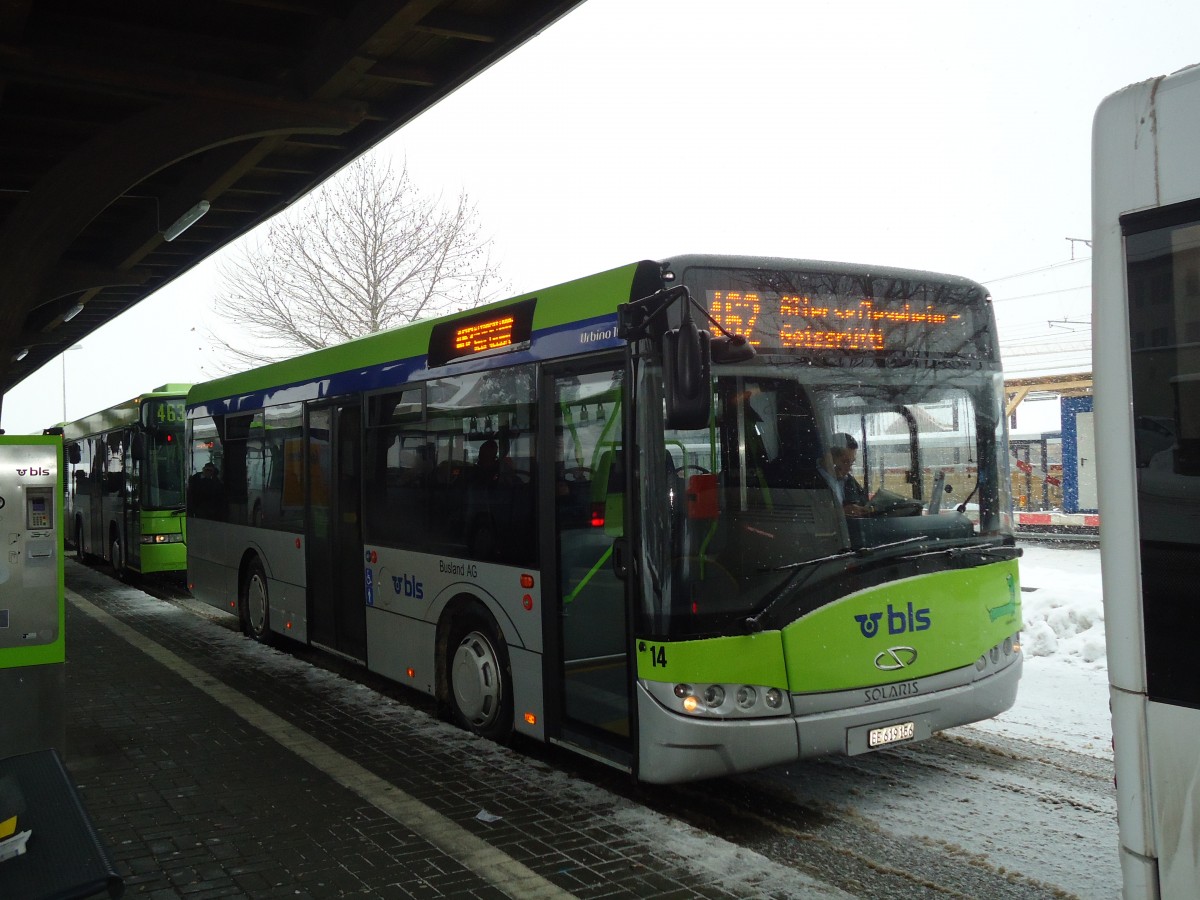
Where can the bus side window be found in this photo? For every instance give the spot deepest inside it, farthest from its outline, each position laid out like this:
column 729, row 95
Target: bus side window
column 399, row 462
column 482, row 499
column 204, row 494
column 234, row 473
column 275, row 479
column 86, row 463
column 114, row 468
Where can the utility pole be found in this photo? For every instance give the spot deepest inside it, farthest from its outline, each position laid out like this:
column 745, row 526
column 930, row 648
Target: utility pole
column 63, row 357
column 1087, row 243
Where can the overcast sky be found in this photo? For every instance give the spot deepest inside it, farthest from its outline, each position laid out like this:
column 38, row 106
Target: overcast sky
column 947, row 136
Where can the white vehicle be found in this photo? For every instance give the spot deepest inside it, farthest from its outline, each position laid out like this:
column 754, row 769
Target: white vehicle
column 1146, row 352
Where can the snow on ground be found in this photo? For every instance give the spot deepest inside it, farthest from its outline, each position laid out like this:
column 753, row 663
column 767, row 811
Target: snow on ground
column 1062, row 702
column 1063, row 697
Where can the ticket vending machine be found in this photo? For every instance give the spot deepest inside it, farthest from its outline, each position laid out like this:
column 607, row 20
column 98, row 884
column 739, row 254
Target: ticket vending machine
column 32, row 611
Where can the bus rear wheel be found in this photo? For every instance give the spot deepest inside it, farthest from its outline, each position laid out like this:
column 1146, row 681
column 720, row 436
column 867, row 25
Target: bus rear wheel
column 255, row 604
column 480, row 680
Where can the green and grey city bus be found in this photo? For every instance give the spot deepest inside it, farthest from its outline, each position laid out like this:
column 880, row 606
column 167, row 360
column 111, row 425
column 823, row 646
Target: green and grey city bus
column 125, row 491
column 595, row 514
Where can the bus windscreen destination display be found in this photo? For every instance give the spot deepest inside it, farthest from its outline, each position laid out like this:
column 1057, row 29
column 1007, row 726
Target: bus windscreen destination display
column 796, row 321
column 497, row 330
column 163, row 413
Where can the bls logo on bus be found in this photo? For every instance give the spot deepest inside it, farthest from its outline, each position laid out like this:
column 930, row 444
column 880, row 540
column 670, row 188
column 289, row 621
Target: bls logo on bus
column 898, row 621
column 408, row 587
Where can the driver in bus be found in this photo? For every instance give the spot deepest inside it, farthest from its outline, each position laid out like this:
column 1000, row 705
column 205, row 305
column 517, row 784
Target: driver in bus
column 837, row 467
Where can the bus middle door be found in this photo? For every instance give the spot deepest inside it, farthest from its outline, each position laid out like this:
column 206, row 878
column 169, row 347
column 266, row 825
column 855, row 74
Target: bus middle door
column 337, row 605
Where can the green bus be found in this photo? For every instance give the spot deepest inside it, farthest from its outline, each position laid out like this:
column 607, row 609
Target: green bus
column 596, row 515
column 125, row 491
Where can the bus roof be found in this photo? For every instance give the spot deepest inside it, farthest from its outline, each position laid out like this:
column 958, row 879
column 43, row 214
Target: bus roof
column 582, row 302
column 125, row 413
column 592, row 297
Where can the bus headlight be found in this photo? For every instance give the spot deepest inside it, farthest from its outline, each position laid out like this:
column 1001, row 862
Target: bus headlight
column 999, row 656
column 175, row 538
column 714, row 695
column 720, row 700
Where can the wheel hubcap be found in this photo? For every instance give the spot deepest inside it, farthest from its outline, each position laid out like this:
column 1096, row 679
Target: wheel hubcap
column 256, row 605
column 475, row 674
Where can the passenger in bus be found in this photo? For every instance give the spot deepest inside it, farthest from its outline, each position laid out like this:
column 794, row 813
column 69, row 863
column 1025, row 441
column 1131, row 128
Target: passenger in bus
column 206, row 498
column 491, row 467
column 836, row 469
column 487, row 463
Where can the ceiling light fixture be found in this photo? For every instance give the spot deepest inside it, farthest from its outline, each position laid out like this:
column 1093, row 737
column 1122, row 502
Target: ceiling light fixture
column 186, row 221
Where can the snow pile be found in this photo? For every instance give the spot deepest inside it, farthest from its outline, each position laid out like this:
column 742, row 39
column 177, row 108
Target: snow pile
column 1062, row 604
column 1063, row 697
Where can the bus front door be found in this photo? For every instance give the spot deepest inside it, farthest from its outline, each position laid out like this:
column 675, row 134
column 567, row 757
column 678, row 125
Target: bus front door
column 589, row 673
column 336, row 602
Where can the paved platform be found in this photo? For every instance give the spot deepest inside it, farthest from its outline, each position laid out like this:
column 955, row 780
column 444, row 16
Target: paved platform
column 215, row 767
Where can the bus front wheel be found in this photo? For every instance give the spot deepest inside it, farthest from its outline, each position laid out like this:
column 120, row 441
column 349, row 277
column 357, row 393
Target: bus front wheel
column 480, row 679
column 118, row 556
column 81, row 555
column 255, row 604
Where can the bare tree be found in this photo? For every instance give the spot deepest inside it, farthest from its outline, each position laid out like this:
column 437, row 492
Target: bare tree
column 367, row 251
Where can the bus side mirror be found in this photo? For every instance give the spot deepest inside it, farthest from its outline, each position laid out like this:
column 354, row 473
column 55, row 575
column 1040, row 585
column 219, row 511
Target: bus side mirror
column 732, row 349
column 138, row 446
column 73, row 454
column 687, row 379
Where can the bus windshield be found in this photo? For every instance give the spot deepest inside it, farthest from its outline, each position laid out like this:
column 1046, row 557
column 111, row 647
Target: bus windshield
column 162, row 486
column 805, row 471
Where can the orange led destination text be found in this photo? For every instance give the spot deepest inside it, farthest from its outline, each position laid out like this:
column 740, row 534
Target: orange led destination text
column 484, row 335
column 857, row 327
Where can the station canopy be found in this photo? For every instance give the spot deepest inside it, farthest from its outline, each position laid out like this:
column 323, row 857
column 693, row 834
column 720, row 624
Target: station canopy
column 118, row 119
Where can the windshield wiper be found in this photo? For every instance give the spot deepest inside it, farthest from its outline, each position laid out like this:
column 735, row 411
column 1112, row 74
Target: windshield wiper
column 1000, row 551
column 841, row 554
column 860, row 553
column 808, row 566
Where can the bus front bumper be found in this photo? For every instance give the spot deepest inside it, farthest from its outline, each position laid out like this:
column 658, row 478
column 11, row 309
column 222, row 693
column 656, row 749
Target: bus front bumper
column 676, row 748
